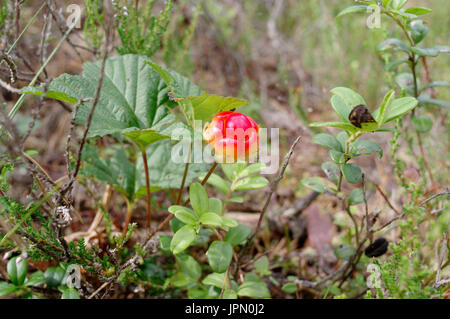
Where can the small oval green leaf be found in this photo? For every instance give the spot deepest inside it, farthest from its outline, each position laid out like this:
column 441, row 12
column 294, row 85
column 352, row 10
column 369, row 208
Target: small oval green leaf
column 237, row 235
column 189, row 266
column 422, row 123
column 328, row 141
column 356, row 197
column 352, row 173
column 229, row 222
column 184, row 214
column 211, row 219
column 53, row 276
column 214, row 279
column 182, row 239
column 253, row 289
column 249, row 183
column 17, row 268
column 199, row 198
column 219, row 256
column 70, row 293
column 315, row 183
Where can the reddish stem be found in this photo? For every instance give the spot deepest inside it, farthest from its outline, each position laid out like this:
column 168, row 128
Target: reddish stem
column 186, row 168
column 147, row 181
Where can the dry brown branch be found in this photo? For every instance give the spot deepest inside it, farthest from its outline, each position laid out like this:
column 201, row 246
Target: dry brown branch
column 386, row 199
column 446, row 192
column 440, row 258
column 274, row 184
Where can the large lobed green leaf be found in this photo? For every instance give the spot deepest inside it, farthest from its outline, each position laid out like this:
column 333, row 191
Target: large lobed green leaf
column 208, row 105
column 116, row 170
column 145, row 137
column 179, row 85
column 195, row 104
column 131, row 94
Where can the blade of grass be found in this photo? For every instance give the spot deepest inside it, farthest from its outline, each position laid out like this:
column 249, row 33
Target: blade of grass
column 24, row 30
column 20, row 101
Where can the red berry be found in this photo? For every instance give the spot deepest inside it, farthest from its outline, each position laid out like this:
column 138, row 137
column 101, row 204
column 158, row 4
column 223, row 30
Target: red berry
column 233, row 136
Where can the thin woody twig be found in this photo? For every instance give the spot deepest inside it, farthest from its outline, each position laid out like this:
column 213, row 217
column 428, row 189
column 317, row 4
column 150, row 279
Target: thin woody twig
column 17, row 18
column 274, row 184
column 388, row 223
column 106, row 51
column 34, row 115
column 40, row 245
column 352, row 218
column 99, row 289
column 438, row 281
column 43, row 45
column 8, row 87
column 317, row 284
column 69, row 136
column 273, row 187
column 387, row 200
column 352, row 262
column 366, row 207
column 446, row 192
column 89, row 120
